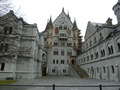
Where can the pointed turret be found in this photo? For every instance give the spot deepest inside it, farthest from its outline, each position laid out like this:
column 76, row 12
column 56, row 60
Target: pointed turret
column 75, row 25
column 68, row 15
column 49, row 24
column 63, row 9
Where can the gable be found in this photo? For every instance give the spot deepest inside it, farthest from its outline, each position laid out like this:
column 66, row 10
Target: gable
column 91, row 29
column 63, row 19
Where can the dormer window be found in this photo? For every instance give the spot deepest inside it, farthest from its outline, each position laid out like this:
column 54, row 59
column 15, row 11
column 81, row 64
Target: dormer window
column 7, row 30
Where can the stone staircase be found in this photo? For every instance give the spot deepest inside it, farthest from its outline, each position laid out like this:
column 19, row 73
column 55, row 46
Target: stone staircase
column 80, row 71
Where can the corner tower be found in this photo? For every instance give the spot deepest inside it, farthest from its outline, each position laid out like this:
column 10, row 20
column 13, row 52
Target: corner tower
column 116, row 9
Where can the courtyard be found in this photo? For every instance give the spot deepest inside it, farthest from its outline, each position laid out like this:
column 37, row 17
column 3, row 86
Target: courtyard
column 62, row 83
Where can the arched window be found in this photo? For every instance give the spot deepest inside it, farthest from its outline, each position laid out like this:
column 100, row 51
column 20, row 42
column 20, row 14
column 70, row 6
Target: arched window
column 112, row 51
column 112, row 67
column 109, row 50
column 118, row 45
column 55, row 52
column 7, row 30
column 87, row 58
column 104, row 70
column 62, row 52
column 96, row 55
column 69, row 44
column 97, row 70
column 69, row 52
column 103, row 52
column 91, row 56
column 2, row 66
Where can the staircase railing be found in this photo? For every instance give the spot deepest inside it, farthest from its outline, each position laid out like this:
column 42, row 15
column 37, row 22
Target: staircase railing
column 80, row 71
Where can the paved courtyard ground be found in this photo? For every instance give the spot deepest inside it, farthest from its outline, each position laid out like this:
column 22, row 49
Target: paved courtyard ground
column 61, row 81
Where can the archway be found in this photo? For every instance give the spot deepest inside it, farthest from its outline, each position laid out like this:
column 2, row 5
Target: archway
column 73, row 61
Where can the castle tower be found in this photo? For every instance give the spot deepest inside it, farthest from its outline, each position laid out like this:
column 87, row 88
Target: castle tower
column 116, row 9
column 49, row 29
column 61, row 38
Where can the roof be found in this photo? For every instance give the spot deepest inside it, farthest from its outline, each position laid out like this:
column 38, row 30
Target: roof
column 63, row 12
column 96, row 24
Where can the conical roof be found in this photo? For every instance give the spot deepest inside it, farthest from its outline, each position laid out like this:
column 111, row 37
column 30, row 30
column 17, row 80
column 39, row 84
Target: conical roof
column 75, row 25
column 49, row 23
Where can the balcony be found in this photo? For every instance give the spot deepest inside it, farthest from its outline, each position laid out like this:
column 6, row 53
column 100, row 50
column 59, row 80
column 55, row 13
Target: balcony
column 63, row 37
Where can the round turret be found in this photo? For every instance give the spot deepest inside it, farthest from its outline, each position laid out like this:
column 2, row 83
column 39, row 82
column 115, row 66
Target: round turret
column 116, row 9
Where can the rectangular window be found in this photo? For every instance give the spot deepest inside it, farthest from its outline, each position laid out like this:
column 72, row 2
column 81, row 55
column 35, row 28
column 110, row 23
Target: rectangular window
column 67, row 61
column 2, row 66
column 69, row 44
column 53, row 61
column 56, row 44
column 53, row 70
column 64, row 70
column 55, row 52
column 56, row 61
column 62, row 61
column 62, row 44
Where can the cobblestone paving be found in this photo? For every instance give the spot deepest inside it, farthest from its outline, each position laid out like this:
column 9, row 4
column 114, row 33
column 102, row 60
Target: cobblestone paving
column 62, row 80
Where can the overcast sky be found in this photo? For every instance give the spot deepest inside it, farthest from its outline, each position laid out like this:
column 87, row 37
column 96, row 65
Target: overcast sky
column 39, row 11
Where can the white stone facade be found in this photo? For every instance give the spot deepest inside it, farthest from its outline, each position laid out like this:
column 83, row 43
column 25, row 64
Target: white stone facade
column 100, row 56
column 19, row 48
column 60, row 43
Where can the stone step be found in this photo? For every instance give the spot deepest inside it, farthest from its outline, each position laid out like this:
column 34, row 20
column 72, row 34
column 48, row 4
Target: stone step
column 80, row 71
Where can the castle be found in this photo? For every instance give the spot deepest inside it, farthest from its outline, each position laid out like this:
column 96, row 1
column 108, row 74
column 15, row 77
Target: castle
column 26, row 53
